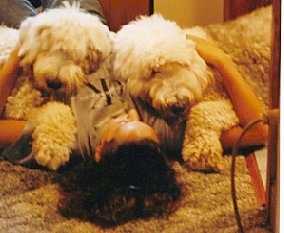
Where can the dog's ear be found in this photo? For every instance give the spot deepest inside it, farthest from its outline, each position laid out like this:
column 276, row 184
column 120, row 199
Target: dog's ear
column 73, row 75
column 92, row 62
column 100, row 46
column 94, row 59
column 33, row 39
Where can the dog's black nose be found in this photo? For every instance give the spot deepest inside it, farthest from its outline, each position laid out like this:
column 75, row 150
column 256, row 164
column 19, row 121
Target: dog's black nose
column 53, row 84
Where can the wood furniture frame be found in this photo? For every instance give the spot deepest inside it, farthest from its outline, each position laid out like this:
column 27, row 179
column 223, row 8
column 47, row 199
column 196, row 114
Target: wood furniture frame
column 120, row 12
column 273, row 165
column 235, row 8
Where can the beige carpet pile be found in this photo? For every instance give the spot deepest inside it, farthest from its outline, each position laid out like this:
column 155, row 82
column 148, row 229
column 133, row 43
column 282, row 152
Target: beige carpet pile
column 30, row 197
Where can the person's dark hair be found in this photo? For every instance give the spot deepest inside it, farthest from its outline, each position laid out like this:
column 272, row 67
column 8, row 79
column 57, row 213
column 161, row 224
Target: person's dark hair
column 133, row 181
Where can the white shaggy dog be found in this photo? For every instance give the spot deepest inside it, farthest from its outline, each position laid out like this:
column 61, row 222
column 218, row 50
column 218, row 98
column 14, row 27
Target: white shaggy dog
column 162, row 67
column 58, row 49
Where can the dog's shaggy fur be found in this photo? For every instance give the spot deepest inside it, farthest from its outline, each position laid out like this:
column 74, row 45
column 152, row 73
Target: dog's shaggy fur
column 166, row 71
column 58, row 49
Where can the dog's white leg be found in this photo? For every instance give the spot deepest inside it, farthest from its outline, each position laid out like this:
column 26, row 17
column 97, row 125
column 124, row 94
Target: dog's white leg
column 202, row 148
column 54, row 134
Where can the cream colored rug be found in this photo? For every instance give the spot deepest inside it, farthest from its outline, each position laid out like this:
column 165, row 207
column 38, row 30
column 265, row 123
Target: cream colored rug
column 30, row 197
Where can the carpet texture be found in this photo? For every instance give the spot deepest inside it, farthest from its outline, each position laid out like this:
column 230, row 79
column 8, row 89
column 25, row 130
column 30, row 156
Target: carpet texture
column 248, row 41
column 30, row 197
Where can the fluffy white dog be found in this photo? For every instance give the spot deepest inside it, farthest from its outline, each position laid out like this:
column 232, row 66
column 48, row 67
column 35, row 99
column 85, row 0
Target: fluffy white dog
column 162, row 67
column 58, row 49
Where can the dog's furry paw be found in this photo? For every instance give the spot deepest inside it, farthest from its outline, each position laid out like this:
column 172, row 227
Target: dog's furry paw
column 53, row 156
column 54, row 134
column 203, row 154
column 202, row 148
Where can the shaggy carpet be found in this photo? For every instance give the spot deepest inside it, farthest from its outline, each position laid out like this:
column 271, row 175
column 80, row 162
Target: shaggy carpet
column 30, row 197
column 248, row 41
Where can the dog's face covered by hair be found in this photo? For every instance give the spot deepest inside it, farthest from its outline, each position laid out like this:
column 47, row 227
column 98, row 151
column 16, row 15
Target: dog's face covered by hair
column 60, row 47
column 160, row 65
